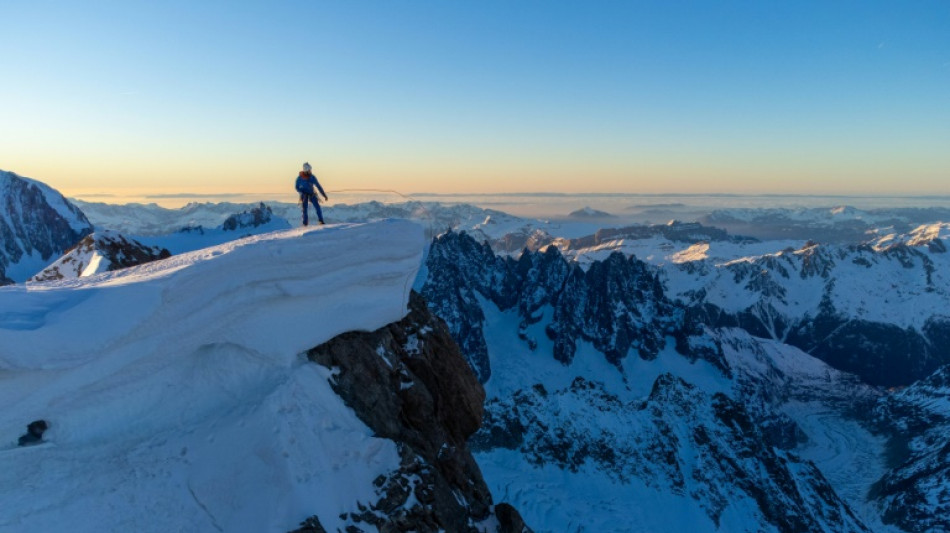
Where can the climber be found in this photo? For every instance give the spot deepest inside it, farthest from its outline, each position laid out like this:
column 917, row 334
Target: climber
column 305, row 183
column 34, row 433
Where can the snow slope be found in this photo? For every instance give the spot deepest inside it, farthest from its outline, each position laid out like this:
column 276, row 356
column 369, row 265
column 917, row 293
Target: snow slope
column 176, row 392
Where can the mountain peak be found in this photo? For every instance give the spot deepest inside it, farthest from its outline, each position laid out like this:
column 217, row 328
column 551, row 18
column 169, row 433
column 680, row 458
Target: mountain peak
column 37, row 225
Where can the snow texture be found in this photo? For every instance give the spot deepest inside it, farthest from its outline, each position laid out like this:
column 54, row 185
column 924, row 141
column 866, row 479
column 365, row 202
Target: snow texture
column 621, row 487
column 176, row 393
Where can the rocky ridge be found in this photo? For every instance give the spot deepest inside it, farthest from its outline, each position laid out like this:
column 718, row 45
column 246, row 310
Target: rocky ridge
column 36, row 225
column 874, row 310
column 618, row 304
column 103, row 251
column 680, row 440
column 915, row 494
column 252, row 218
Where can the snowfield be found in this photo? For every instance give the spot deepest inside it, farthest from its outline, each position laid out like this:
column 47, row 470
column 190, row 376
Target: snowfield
column 177, row 396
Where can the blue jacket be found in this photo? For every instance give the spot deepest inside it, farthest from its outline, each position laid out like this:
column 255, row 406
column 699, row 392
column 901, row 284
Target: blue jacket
column 305, row 185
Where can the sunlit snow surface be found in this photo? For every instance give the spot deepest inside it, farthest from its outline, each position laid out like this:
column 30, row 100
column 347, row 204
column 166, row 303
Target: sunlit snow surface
column 176, row 392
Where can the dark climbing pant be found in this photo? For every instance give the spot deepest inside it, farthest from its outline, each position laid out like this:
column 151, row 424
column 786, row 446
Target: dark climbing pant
column 304, row 198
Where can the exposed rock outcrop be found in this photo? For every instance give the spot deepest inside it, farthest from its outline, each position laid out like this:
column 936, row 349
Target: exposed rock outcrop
column 617, row 304
column 679, row 440
column 251, row 218
column 36, row 225
column 876, row 311
column 409, row 383
column 103, row 251
column 915, row 494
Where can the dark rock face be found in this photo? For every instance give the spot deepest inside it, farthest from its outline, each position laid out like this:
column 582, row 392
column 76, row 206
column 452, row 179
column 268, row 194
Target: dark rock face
column 30, row 225
column 253, row 218
column 123, row 252
column 456, row 272
column 617, row 305
column 118, row 250
column 915, row 495
column 509, row 519
column 679, row 440
column 882, row 354
column 409, row 383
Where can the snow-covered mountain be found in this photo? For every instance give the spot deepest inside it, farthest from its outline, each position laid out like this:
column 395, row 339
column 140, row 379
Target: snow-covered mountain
column 102, row 251
column 180, row 397
column 657, row 244
column 572, row 351
column 877, row 309
column 36, row 226
column 617, row 304
column 589, row 213
column 254, row 220
column 596, row 378
column 153, row 219
column 916, row 494
column 838, row 224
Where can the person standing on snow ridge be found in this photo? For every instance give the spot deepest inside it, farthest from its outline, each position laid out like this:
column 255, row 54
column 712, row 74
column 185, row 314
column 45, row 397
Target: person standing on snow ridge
column 305, row 183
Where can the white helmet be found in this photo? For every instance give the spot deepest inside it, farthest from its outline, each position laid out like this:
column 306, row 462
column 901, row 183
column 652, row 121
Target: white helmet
column 306, row 167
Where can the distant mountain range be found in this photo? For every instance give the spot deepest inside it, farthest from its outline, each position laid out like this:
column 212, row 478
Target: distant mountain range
column 569, row 349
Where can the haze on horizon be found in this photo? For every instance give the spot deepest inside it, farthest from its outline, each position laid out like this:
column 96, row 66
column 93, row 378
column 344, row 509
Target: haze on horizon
column 490, row 97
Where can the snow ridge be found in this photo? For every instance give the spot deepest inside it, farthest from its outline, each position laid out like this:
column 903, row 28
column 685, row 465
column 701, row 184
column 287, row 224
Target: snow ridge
column 176, row 391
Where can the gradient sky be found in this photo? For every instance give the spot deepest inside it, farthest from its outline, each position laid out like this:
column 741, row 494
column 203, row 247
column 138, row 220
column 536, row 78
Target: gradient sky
column 480, row 96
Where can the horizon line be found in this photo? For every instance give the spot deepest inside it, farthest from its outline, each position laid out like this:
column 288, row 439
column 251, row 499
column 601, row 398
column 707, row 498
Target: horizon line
column 543, row 194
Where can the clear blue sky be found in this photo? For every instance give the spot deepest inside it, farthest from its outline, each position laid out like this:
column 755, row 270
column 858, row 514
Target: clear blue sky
column 486, row 96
